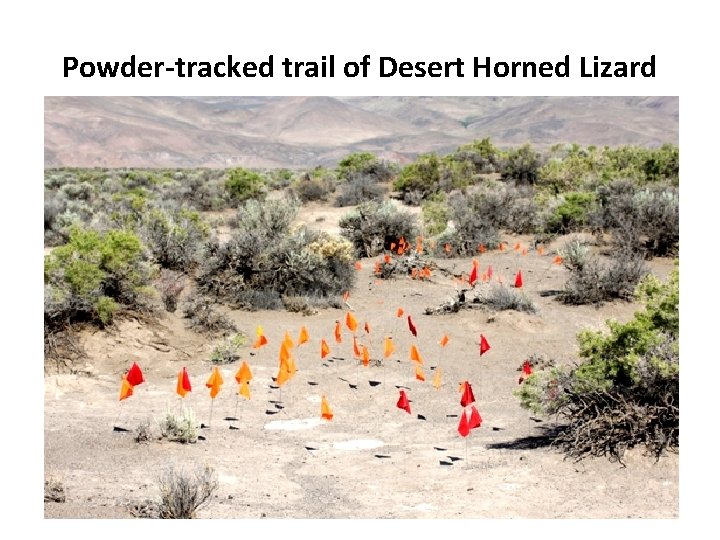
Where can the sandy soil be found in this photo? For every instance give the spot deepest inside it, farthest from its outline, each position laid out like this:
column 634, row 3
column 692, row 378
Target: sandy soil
column 372, row 460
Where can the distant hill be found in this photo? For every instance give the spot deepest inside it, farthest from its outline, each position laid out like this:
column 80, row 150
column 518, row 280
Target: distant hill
column 309, row 131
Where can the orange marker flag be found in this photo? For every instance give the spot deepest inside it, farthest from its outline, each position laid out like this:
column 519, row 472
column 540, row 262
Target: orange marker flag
column 351, row 321
column 243, row 373
column 367, row 328
column 415, row 354
column 501, row 247
column 448, row 248
column 284, row 353
column 288, row 342
column 387, row 259
column 338, row 333
column 378, row 269
column 389, row 347
column 283, row 375
column 401, row 242
column 540, row 250
column 400, row 312
column 183, row 383
column 518, row 280
column 214, row 382
column 444, row 340
column 356, row 349
column 419, row 375
column 324, row 349
column 482, row 248
column 392, row 246
column 461, row 388
column 523, row 252
column 419, row 246
column 401, row 250
column 245, row 389
column 517, row 246
column 304, row 336
column 437, row 380
column 558, row 260
column 126, row 389
column 346, row 295
column 358, row 265
column 414, row 273
column 325, row 410
column 365, row 356
column 291, row 367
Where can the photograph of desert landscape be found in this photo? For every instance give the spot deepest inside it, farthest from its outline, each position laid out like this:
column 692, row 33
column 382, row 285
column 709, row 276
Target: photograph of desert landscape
column 361, row 307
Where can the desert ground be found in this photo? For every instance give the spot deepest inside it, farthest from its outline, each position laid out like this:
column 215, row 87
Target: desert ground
column 373, row 460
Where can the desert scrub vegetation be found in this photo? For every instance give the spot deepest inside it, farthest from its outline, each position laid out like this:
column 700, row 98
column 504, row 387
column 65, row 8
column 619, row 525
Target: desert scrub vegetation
column 181, row 427
column 203, row 316
column 54, row 491
column 265, row 260
column 372, row 227
column 227, row 351
column 499, row 297
column 174, row 237
column 594, row 281
column 430, row 174
column 360, row 188
column 625, row 391
column 93, row 275
column 470, row 226
column 183, row 492
column 364, row 164
column 243, row 184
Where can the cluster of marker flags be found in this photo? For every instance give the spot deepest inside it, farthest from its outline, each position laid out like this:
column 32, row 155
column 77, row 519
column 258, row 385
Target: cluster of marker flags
column 469, row 418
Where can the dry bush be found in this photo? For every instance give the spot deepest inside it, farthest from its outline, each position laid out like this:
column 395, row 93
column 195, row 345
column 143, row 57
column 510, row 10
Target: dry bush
column 373, row 227
column 203, row 316
column 265, row 260
column 54, row 491
column 500, row 298
column 182, row 492
column 170, row 285
column 594, row 282
column 359, row 189
column 227, row 351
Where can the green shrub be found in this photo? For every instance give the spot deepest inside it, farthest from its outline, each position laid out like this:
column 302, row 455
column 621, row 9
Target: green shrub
column 471, row 227
column 364, row 164
column 360, row 188
column 203, row 316
column 571, row 214
column 242, row 184
column 227, row 351
column 625, row 392
column 436, row 213
column 313, row 189
column 174, row 237
column 92, row 275
column 181, row 428
column 522, row 165
column 373, row 226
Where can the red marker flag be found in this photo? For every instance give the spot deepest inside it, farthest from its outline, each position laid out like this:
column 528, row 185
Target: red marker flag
column 484, row 345
column 135, row 375
column 475, row 418
column 518, row 280
column 411, row 326
column 468, row 397
column 463, row 427
column 473, row 273
column 403, row 402
column 367, row 328
column 527, row 368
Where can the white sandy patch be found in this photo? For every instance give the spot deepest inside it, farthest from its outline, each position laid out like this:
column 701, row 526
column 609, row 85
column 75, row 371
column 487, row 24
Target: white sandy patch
column 423, row 507
column 314, row 398
column 358, row 444
column 294, row 425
